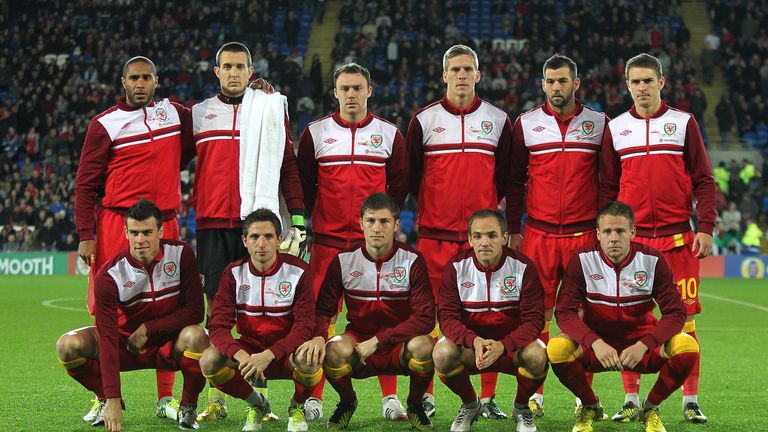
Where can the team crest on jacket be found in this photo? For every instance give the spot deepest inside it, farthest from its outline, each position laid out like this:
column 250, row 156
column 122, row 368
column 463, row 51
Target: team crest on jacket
column 169, row 268
column 670, row 128
column 161, row 114
column 284, row 289
column 487, row 127
column 399, row 273
column 641, row 278
column 376, row 140
column 509, row 285
column 587, row 126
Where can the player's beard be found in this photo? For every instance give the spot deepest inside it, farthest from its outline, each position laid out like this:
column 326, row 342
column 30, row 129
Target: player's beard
column 566, row 99
column 133, row 102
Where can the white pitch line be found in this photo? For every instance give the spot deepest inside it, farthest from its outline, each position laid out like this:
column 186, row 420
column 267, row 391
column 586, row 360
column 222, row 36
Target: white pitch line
column 52, row 304
column 740, row 303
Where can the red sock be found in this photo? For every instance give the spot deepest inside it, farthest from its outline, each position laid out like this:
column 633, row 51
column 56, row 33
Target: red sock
column 165, row 379
column 691, row 384
column 573, row 376
column 526, row 387
column 236, row 387
column 194, row 381
column 418, row 386
column 388, row 384
column 301, row 392
column 590, row 378
column 317, row 391
column 631, row 381
column 488, row 384
column 672, row 375
column 431, row 386
column 343, row 387
column 461, row 386
column 89, row 376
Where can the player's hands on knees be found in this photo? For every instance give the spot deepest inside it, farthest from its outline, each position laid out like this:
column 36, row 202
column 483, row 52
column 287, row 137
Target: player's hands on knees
column 113, row 415
column 137, row 340
column 312, row 352
column 253, row 367
column 366, row 348
column 702, row 245
column 633, row 355
column 492, row 350
column 261, row 84
column 86, row 250
column 606, row 355
column 515, row 242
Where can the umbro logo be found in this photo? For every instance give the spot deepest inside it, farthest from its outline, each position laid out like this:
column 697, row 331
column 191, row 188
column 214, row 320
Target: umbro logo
column 356, row 274
column 626, row 132
column 129, row 284
column 330, row 141
column 596, row 276
column 438, row 130
column 245, row 287
column 210, row 116
column 468, row 284
column 538, row 128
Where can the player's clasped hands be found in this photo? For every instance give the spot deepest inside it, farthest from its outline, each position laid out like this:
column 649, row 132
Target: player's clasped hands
column 254, row 365
column 312, row 351
column 633, row 355
column 487, row 351
column 607, row 355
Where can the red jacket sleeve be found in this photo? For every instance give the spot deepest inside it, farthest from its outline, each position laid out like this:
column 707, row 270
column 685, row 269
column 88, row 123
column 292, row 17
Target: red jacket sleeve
column 573, row 292
column 422, row 319
column 90, row 178
column 502, row 162
column 303, row 319
column 308, row 169
column 397, row 170
column 414, row 141
column 671, row 306
column 190, row 309
column 531, row 312
column 328, row 298
column 610, row 170
column 188, row 149
column 518, row 178
column 224, row 315
column 697, row 165
column 107, row 303
column 290, row 185
column 449, row 310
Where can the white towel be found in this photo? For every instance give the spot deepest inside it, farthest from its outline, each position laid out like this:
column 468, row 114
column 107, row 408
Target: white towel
column 262, row 146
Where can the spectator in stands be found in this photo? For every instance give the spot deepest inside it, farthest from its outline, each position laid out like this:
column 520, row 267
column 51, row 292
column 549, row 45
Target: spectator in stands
column 732, row 219
column 752, row 237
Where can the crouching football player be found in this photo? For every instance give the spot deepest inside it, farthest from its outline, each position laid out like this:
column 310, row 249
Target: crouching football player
column 269, row 297
column 390, row 309
column 618, row 283
column 491, row 312
column 149, row 300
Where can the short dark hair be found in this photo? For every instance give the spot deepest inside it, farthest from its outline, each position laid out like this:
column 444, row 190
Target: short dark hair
column 234, row 47
column 262, row 215
column 380, row 201
column 556, row 62
column 352, row 68
column 144, row 209
column 137, row 59
column 643, row 60
column 487, row 213
column 458, row 50
column 617, row 208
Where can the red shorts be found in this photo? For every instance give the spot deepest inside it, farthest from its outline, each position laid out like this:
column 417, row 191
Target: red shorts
column 652, row 361
column 684, row 265
column 319, row 261
column 157, row 357
column 110, row 240
column 279, row 369
column 385, row 361
column 551, row 254
column 437, row 253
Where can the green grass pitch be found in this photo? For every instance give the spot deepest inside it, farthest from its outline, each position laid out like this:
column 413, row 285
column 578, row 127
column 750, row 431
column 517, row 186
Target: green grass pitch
column 39, row 396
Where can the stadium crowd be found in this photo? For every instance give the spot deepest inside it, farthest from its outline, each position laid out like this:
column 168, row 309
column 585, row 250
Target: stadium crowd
column 46, row 103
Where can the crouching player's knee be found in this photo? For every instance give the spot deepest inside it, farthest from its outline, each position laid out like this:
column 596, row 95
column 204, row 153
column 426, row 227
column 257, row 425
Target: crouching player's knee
column 420, row 355
column 304, row 374
column 532, row 361
column 680, row 344
column 214, row 368
column 561, row 350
